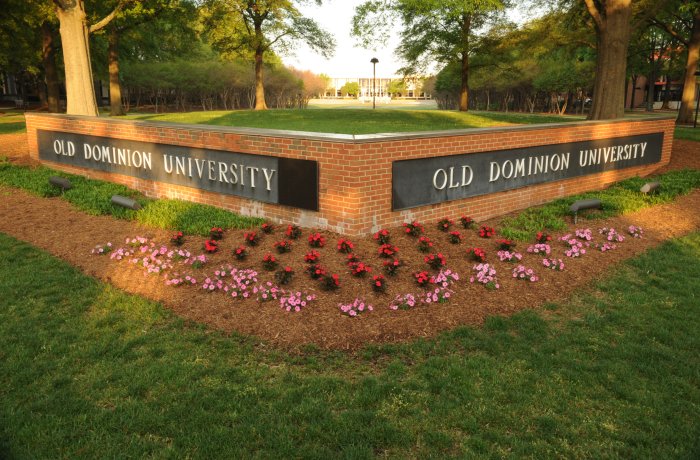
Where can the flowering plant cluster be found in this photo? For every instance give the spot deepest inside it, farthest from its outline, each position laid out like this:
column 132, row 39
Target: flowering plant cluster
column 387, row 250
column 269, row 262
column 267, row 228
column 486, row 231
column 391, row 266
column 505, row 244
column 422, row 278
column 216, row 233
column 607, row 246
column 312, row 257
column 445, row 224
column 177, row 239
column 355, row 308
column 139, row 242
column 283, row 246
column 153, row 262
column 553, row 264
column 455, row 237
column 295, row 301
column 477, row 254
column 466, row 221
column 242, row 280
column 611, row 235
column 576, row 248
column 359, row 269
column 424, row 244
column 379, row 283
column 240, row 253
column 521, row 272
column 584, row 234
column 635, row 232
column 382, row 236
column 437, row 295
column 316, row 240
column 210, row 285
column 267, row 291
column 293, row 232
column 330, row 282
column 251, row 238
column 436, row 260
column 445, row 278
column 486, row 275
column 352, row 258
column 102, row 249
column 345, row 246
column 539, row 248
column 413, row 229
column 403, row 302
column 178, row 280
column 507, row 256
column 180, row 254
column 211, row 246
column 197, row 261
column 123, row 253
column 284, row 276
column 542, row 238
column 316, row 271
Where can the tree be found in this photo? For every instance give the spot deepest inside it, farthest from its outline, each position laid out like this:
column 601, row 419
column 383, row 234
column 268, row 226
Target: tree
column 245, row 27
column 441, row 29
column 74, row 28
column 614, row 21
column 351, row 88
column 28, row 45
column 682, row 22
column 178, row 14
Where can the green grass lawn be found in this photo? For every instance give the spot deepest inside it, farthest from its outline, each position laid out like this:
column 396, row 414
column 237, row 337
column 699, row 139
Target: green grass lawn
column 12, row 123
column 690, row 134
column 87, row 371
column 354, row 121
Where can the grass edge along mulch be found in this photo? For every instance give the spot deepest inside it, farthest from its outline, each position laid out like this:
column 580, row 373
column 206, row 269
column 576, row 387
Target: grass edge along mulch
column 93, row 372
column 93, row 197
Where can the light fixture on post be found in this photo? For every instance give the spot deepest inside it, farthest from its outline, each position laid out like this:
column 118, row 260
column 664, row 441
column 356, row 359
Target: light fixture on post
column 374, row 82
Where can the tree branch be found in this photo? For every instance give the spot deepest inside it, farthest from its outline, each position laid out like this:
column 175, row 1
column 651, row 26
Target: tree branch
column 595, row 14
column 670, row 30
column 107, row 19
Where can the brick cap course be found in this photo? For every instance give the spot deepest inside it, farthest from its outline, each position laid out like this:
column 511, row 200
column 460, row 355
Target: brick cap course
column 352, row 138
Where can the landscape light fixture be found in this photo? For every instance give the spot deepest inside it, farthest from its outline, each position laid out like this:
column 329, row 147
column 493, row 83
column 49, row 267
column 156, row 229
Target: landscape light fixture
column 584, row 204
column 125, row 202
column 649, row 187
column 60, row 182
column 697, row 100
column 374, row 61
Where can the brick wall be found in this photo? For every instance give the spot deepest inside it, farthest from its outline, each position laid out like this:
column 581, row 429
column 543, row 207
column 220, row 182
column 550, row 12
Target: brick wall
column 355, row 171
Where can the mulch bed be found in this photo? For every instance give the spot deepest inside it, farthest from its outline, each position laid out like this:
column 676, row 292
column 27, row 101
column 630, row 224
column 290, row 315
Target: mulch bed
column 54, row 225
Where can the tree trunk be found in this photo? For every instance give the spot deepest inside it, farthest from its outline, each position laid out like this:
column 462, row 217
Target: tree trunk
column 48, row 58
column 686, row 112
column 80, row 90
column 612, row 39
column 651, row 83
column 464, row 88
column 115, row 88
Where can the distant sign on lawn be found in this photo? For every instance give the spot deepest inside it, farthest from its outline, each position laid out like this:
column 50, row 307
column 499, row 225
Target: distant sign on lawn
column 426, row 181
column 284, row 181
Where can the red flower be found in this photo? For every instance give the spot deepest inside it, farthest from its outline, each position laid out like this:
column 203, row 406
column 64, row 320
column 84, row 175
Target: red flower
column 211, row 246
column 317, row 240
column 387, row 250
column 312, row 257
column 345, row 246
column 382, row 236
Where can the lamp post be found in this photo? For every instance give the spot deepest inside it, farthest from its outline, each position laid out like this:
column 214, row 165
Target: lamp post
column 697, row 98
column 374, row 82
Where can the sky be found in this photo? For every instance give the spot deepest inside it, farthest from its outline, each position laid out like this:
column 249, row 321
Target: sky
column 351, row 60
